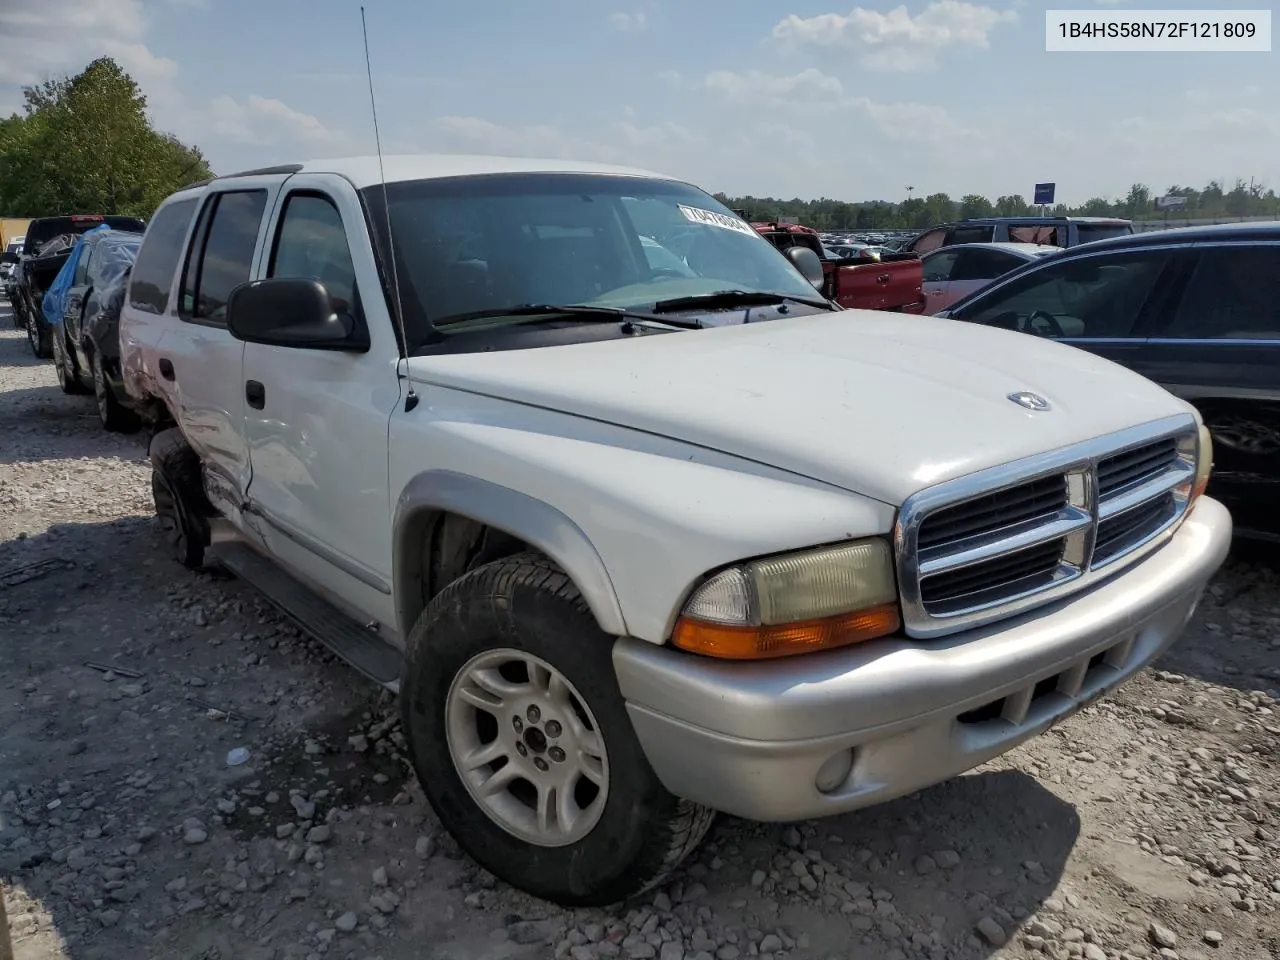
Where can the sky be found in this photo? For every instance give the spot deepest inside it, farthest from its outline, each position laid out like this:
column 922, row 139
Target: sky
column 785, row 98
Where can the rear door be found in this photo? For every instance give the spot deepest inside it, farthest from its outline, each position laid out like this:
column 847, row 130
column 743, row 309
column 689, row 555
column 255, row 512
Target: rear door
column 1219, row 349
column 198, row 357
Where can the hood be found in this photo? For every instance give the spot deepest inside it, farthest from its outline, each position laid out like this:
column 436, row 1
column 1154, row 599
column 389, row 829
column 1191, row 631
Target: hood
column 882, row 405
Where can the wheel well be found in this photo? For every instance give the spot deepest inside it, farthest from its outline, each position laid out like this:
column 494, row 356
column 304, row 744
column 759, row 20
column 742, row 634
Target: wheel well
column 449, row 545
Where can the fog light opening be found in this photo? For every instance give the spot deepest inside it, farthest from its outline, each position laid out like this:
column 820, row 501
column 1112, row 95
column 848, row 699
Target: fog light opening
column 834, row 772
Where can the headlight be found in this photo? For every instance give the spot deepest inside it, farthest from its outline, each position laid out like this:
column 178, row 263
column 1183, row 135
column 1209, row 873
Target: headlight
column 1204, row 463
column 796, row 603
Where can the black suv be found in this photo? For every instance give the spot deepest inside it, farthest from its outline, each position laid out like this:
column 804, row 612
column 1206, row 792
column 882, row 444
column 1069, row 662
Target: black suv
column 1196, row 309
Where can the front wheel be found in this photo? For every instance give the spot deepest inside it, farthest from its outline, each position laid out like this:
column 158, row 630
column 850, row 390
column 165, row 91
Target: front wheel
column 521, row 740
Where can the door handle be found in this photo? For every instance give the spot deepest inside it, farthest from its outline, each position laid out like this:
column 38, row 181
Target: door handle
column 255, row 394
column 166, row 368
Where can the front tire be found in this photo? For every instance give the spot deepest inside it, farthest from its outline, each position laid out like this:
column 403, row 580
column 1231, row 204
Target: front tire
column 521, row 740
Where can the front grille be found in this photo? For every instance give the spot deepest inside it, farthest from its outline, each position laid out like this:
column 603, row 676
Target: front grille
column 987, row 546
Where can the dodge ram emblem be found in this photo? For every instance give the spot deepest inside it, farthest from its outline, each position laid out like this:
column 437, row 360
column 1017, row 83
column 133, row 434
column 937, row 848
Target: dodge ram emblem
column 1032, row 401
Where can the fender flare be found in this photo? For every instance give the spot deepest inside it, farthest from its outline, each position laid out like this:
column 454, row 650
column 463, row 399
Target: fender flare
column 537, row 523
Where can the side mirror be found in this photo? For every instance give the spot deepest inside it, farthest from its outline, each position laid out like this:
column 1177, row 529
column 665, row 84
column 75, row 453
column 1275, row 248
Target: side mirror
column 8, row 256
column 291, row 312
column 808, row 263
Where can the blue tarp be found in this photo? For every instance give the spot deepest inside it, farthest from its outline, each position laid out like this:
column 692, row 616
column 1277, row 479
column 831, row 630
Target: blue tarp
column 55, row 298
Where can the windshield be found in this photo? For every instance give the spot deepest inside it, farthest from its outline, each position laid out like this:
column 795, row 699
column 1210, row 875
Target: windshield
column 467, row 245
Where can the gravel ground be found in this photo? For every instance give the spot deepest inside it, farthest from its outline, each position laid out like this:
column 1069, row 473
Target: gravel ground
column 1146, row 826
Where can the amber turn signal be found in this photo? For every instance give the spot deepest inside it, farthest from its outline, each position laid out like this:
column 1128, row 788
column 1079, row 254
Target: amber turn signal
column 735, row 642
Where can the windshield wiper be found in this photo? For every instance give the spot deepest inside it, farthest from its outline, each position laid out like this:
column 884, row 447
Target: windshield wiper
column 585, row 311
column 733, row 298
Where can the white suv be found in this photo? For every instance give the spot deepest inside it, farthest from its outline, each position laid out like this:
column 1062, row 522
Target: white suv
column 782, row 569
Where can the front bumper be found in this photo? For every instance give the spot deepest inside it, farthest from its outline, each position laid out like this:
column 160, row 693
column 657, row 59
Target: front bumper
column 750, row 738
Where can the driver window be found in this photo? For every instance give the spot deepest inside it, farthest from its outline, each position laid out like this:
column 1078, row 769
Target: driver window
column 311, row 242
column 938, row 266
column 1087, row 297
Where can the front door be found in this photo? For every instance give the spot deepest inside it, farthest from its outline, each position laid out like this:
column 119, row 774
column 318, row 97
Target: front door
column 316, row 420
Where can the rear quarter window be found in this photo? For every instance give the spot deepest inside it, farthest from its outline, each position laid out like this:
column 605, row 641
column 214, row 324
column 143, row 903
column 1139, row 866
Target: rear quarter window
column 157, row 261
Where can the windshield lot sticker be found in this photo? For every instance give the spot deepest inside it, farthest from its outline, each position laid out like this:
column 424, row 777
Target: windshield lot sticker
column 713, row 219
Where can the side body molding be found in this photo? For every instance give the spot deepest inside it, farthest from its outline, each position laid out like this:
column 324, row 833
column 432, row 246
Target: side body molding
column 536, row 523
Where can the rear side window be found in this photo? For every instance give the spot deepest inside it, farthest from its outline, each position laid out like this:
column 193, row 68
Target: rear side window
column 222, row 255
column 929, row 241
column 158, row 259
column 977, row 234
column 1038, row 233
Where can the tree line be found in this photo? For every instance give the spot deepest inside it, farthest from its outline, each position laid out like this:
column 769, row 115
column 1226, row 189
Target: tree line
column 1213, row 201
column 84, row 144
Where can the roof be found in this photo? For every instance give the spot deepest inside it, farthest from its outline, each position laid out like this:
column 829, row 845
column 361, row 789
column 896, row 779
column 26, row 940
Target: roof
column 1031, row 249
column 367, row 172
column 1032, row 218
column 1233, row 232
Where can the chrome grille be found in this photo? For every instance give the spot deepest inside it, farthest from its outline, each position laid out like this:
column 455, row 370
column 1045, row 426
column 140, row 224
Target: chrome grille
column 979, row 548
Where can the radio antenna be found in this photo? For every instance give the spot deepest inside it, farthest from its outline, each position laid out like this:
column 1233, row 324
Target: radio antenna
column 411, row 398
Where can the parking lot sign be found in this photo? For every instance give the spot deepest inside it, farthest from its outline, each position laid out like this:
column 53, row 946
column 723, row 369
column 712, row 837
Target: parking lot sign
column 1044, row 193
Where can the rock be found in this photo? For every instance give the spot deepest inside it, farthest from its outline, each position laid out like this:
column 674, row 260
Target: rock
column 925, row 864
column 771, row 943
column 1212, row 937
column 285, row 830
column 991, row 932
column 304, row 808
column 380, row 878
column 758, row 878
column 1162, row 936
column 1094, row 952
column 425, row 847
column 131, row 689
column 321, row 834
column 671, row 951
column 347, row 922
column 947, row 859
column 194, row 835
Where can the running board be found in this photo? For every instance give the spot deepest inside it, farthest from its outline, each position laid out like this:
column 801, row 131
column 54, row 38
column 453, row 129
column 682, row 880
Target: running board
column 372, row 656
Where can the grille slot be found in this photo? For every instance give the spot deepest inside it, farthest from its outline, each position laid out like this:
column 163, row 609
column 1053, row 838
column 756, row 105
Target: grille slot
column 997, row 578
column 991, row 512
column 1120, row 533
column 1133, row 467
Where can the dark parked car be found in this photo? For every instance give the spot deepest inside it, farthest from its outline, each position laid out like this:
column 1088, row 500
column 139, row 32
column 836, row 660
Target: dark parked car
column 1195, row 309
column 49, row 241
column 86, row 344
column 1053, row 231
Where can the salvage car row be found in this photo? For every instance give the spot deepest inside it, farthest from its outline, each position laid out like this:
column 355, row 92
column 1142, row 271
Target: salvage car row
column 638, row 521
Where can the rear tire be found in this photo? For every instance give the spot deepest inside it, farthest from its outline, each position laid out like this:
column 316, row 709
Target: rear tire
column 113, row 416
column 178, row 492
column 617, row 831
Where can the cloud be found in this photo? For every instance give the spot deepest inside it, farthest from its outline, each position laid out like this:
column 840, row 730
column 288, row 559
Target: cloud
column 756, row 85
column 264, row 120
column 895, row 122
column 627, row 22
column 896, row 40
column 41, row 39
